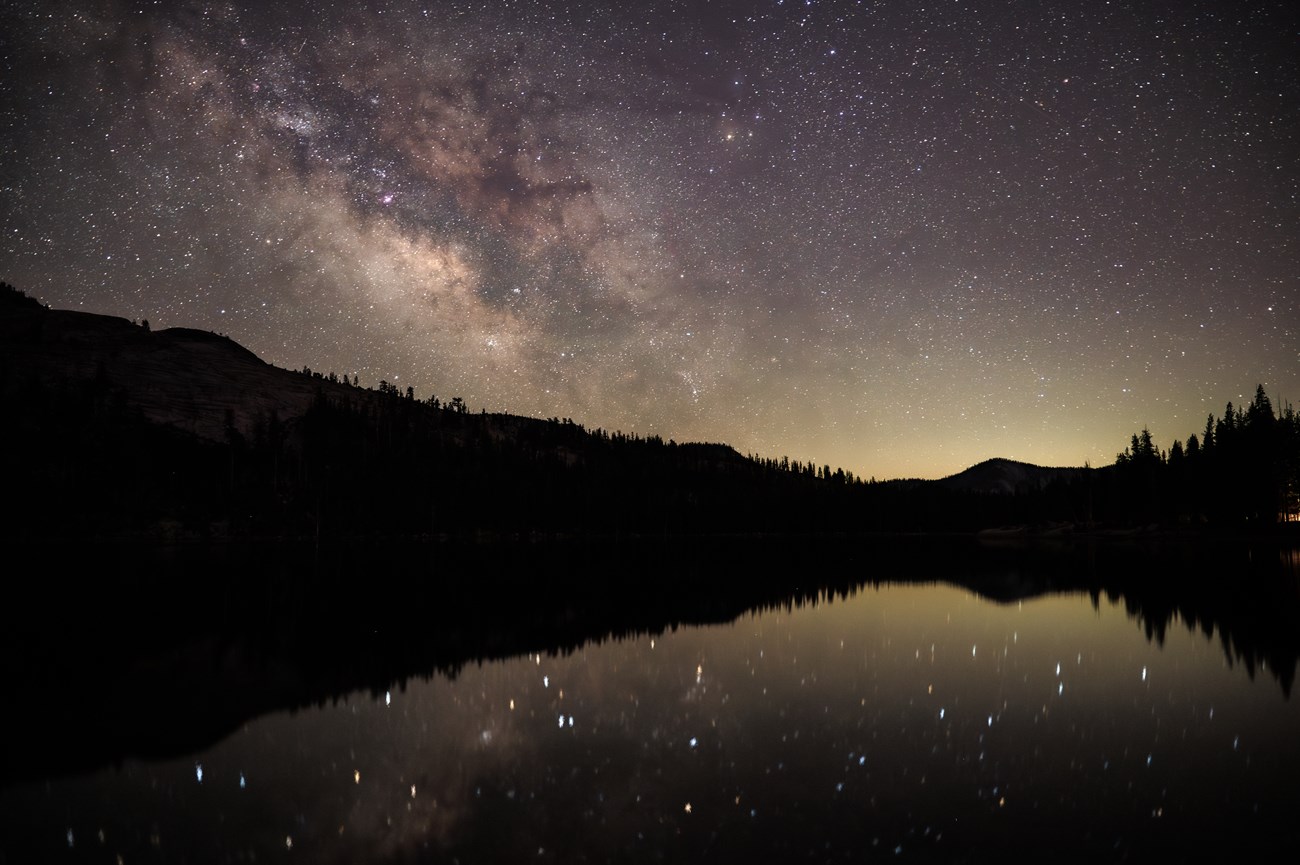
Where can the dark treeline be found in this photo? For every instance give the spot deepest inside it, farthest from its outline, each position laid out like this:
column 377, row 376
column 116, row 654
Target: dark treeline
column 92, row 466
column 406, row 467
column 1243, row 469
column 82, row 459
column 398, row 466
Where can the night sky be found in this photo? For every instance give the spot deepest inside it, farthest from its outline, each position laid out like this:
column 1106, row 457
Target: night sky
column 897, row 237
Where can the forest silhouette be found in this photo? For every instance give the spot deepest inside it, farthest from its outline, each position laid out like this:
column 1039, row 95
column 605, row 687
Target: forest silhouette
column 84, row 459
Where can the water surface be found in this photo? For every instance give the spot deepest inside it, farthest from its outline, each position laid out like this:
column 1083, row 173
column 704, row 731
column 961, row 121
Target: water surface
column 895, row 721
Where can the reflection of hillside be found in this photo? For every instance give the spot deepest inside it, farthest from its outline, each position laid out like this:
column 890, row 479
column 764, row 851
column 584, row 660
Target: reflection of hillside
column 122, row 653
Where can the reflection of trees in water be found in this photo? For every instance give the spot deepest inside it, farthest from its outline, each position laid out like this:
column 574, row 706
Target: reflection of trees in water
column 1247, row 595
column 1251, row 603
column 202, row 640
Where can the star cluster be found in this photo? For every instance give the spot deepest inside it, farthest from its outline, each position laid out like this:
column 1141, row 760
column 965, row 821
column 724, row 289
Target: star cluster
column 896, row 237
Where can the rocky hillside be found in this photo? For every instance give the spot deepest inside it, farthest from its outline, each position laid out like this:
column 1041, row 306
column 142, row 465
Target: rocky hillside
column 192, row 380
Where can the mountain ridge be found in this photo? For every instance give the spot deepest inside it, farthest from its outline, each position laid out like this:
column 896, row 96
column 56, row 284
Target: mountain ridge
column 118, row 430
column 204, row 383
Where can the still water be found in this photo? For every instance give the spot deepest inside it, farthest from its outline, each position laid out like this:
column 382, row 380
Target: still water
column 899, row 722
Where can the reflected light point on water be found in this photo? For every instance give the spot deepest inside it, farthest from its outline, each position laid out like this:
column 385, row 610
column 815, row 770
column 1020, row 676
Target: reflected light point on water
column 356, row 776
column 198, row 772
column 388, row 698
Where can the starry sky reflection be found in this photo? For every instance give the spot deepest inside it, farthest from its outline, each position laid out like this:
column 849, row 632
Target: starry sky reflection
column 895, row 237
column 916, row 718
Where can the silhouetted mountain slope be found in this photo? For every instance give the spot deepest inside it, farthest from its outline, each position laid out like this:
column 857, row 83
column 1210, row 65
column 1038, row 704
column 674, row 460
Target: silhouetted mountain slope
column 192, row 380
column 206, row 384
column 113, row 429
column 1007, row 476
column 121, row 429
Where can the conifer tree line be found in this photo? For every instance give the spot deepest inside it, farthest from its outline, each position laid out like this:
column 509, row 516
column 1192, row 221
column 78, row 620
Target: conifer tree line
column 1244, row 468
column 403, row 465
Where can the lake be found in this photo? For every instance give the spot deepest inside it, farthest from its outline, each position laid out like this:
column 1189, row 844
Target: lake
column 1046, row 708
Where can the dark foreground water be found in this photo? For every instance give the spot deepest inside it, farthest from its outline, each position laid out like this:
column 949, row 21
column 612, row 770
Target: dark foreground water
column 906, row 721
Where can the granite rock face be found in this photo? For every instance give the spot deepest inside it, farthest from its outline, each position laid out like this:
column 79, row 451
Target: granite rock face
column 193, row 380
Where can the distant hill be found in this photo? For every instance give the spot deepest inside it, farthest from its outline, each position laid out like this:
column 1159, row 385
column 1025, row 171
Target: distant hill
column 1007, row 477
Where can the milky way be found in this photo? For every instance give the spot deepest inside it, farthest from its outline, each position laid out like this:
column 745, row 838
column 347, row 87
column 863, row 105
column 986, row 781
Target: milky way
column 896, row 237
